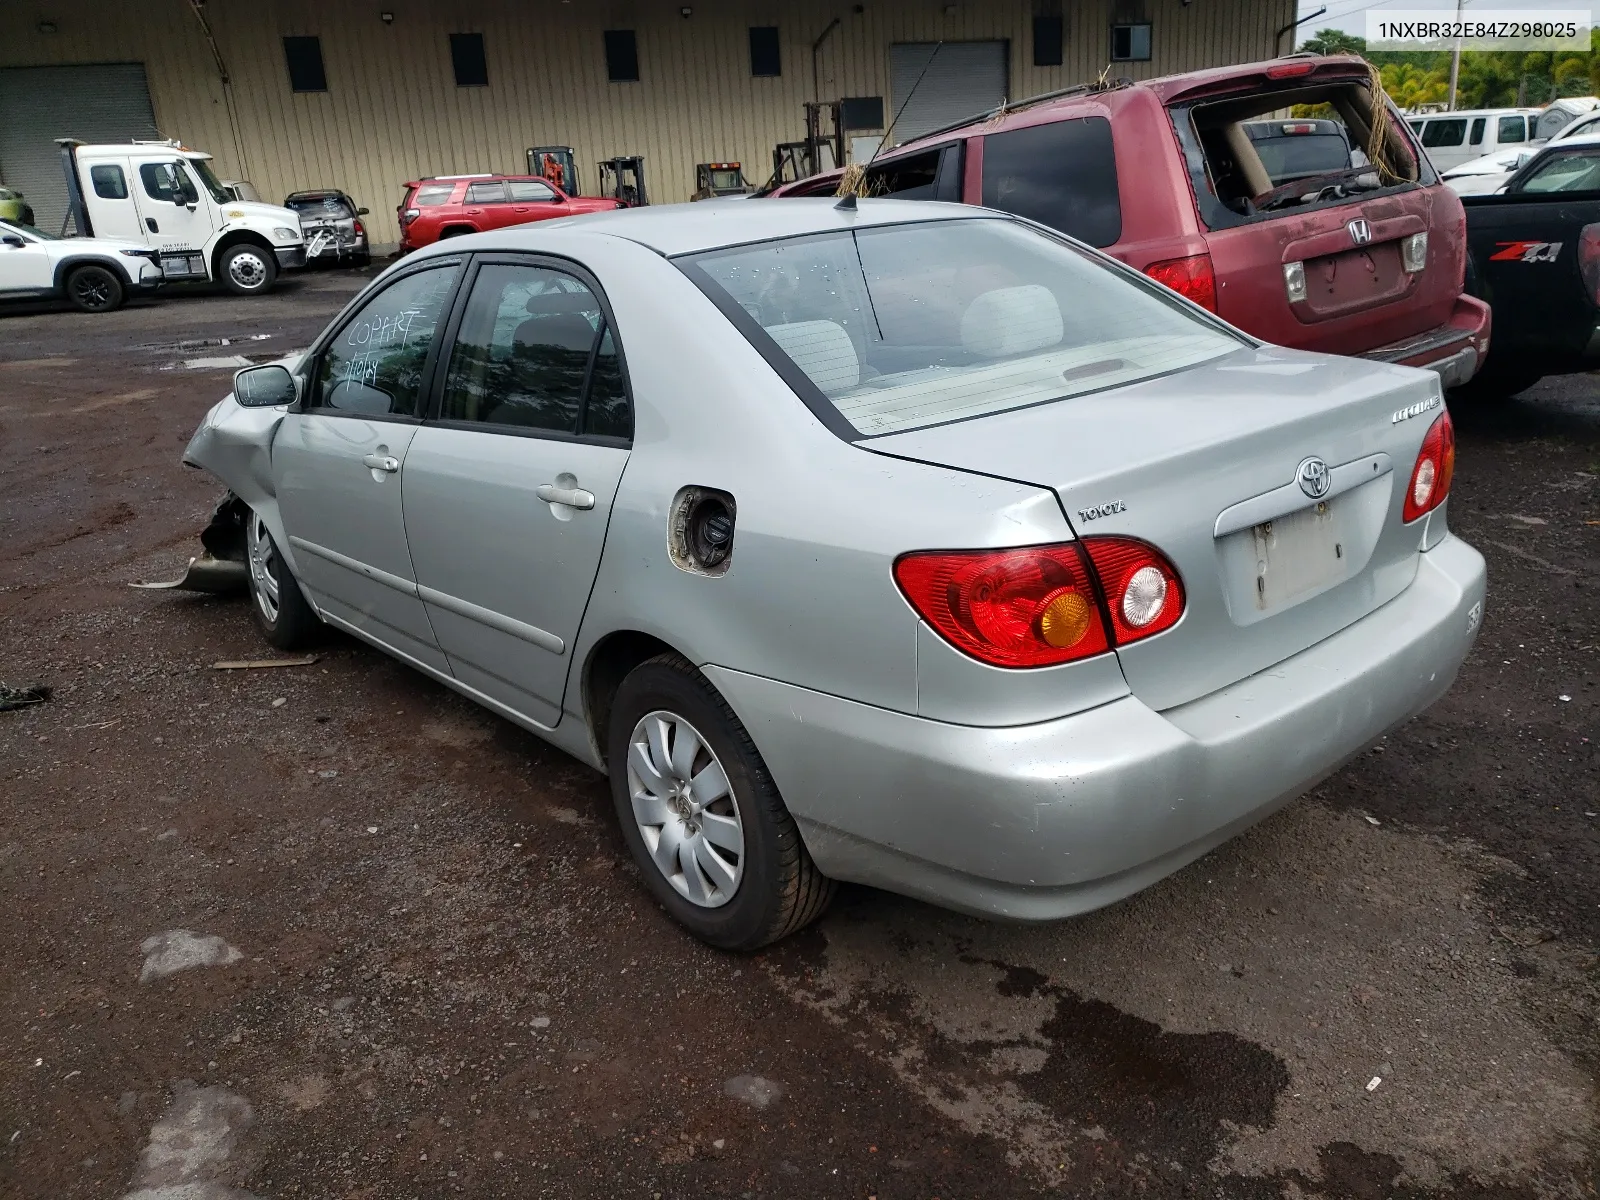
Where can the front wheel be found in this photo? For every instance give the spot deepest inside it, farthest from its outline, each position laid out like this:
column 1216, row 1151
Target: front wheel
column 701, row 814
column 95, row 289
column 280, row 610
column 247, row 269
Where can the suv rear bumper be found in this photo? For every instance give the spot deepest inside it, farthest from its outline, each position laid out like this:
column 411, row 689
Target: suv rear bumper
column 1454, row 350
column 1042, row 821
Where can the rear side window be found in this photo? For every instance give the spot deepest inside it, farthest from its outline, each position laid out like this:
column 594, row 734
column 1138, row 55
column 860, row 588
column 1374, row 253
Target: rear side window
column 1063, row 175
column 911, row 178
column 1513, row 129
column 486, row 193
column 529, row 190
column 1477, row 131
column 1447, row 131
column 109, row 182
column 432, row 194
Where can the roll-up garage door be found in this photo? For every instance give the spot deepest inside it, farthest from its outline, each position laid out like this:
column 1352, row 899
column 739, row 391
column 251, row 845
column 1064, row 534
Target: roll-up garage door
column 959, row 79
column 103, row 102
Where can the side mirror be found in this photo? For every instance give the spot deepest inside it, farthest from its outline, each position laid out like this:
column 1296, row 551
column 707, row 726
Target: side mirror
column 12, row 239
column 264, row 387
column 361, row 212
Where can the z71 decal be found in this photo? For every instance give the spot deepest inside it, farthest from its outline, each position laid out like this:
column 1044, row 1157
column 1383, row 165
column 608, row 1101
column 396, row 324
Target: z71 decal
column 1528, row 252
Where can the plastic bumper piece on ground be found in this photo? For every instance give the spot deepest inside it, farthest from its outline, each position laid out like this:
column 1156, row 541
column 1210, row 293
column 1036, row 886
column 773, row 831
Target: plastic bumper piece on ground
column 290, row 257
column 1043, row 821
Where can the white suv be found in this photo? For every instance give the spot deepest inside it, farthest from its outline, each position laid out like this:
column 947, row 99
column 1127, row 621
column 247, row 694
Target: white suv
column 96, row 274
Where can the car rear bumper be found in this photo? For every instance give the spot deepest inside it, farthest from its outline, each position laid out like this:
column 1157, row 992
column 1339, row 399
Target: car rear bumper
column 1042, row 821
column 1455, row 350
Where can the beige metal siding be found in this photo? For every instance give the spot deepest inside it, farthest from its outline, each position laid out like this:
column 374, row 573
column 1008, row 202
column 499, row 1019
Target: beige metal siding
column 392, row 111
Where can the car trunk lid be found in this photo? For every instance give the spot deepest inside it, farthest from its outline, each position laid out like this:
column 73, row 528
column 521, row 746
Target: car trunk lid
column 1204, row 467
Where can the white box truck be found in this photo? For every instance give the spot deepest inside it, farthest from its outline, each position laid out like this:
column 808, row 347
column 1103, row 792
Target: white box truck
column 166, row 196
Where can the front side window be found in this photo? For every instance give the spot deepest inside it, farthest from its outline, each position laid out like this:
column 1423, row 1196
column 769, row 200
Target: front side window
column 1513, row 129
column 1062, row 174
column 1574, row 171
column 904, row 326
column 1448, row 131
column 168, row 182
column 525, row 354
column 530, row 191
column 487, row 193
column 373, row 366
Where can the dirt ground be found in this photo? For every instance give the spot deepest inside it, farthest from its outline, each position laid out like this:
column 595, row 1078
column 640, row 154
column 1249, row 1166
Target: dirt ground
column 416, row 961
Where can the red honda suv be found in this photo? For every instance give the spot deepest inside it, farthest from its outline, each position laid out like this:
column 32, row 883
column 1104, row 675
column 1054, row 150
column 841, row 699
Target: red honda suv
column 444, row 206
column 1282, row 226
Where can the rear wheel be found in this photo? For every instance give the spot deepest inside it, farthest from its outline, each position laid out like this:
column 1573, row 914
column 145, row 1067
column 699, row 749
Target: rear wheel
column 247, row 269
column 280, row 610
column 701, row 814
column 95, row 289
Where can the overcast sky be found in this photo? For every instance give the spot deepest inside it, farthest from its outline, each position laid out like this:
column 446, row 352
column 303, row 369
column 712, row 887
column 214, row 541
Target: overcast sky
column 1351, row 15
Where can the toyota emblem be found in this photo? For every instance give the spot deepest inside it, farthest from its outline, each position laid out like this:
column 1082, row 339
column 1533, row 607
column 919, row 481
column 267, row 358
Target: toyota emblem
column 1313, row 477
column 1360, row 231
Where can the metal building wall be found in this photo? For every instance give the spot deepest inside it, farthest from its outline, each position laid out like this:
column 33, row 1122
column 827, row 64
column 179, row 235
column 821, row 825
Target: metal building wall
column 392, row 110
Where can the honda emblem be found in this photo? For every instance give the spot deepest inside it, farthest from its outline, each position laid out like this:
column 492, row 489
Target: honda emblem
column 1360, row 231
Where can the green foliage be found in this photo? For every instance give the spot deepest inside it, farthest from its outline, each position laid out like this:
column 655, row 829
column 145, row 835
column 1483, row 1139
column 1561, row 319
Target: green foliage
column 1488, row 79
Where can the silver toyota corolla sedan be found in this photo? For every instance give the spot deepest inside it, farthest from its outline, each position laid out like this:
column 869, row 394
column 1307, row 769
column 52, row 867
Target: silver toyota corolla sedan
column 902, row 543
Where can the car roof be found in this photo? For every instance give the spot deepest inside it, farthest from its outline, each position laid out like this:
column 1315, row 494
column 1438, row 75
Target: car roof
column 1576, row 142
column 673, row 229
column 313, row 194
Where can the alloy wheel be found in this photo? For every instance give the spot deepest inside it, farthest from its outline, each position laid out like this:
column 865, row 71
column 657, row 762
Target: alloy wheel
column 685, row 809
column 264, row 568
column 92, row 291
column 248, row 270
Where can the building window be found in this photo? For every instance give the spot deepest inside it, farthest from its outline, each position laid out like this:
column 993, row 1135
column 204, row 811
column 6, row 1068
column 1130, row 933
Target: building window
column 764, row 59
column 622, row 56
column 304, row 56
column 1130, row 43
column 1047, row 39
column 466, row 54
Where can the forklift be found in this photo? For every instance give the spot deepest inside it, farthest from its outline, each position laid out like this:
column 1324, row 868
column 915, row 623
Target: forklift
column 719, row 179
column 556, row 165
column 623, row 179
column 818, row 153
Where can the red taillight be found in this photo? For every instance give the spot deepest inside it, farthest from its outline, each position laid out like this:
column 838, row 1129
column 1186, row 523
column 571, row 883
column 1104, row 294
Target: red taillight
column 410, row 215
column 1041, row 605
column 360, row 228
column 1289, row 70
column 1191, row 277
column 1589, row 260
column 1299, row 127
column 1142, row 589
column 1435, row 469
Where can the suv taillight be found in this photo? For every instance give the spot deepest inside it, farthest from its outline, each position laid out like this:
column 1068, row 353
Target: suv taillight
column 1192, row 277
column 1434, row 470
column 1589, row 261
column 1037, row 606
column 410, row 215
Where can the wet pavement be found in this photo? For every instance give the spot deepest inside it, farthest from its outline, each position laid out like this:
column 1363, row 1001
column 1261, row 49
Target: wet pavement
column 330, row 931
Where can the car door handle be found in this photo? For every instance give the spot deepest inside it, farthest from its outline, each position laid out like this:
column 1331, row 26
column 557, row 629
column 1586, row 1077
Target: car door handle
column 382, row 462
column 571, row 497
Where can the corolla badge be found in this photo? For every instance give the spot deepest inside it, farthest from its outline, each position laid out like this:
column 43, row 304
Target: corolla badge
column 1313, row 477
column 1360, row 231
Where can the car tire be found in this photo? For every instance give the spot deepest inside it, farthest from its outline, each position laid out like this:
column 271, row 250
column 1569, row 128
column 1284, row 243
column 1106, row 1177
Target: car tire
column 247, row 269
column 280, row 609
column 95, row 289
column 739, row 899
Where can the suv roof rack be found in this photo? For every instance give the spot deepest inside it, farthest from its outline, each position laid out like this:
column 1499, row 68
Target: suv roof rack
column 479, row 175
column 1010, row 106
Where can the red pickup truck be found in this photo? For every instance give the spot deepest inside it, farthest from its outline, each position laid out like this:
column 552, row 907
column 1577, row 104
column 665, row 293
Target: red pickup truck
column 1186, row 179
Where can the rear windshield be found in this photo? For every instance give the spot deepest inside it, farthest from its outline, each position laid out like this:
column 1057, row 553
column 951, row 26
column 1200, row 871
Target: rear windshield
column 430, row 194
column 1292, row 156
column 320, row 206
column 904, row 326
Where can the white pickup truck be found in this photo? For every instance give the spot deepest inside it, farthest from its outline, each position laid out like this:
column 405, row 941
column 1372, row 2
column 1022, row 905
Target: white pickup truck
column 166, row 196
